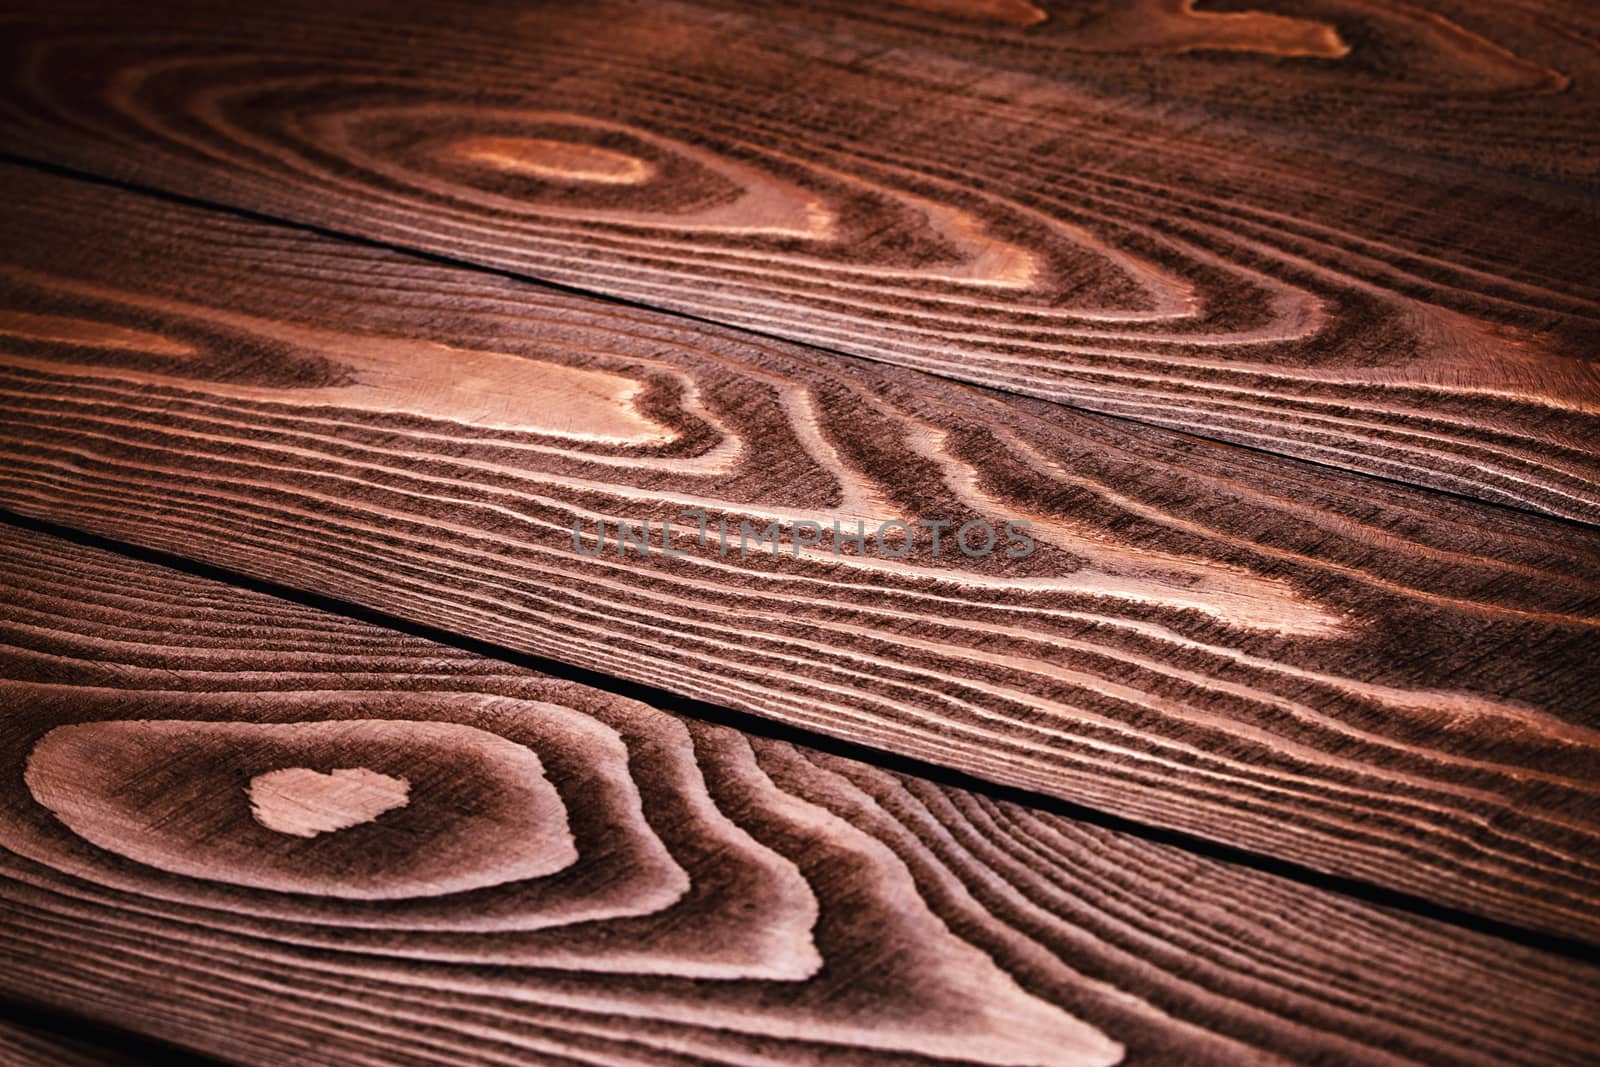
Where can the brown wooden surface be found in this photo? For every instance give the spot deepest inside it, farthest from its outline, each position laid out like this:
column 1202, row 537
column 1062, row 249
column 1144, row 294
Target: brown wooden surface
column 1369, row 681
column 325, row 742
column 1354, row 232
column 726, row 898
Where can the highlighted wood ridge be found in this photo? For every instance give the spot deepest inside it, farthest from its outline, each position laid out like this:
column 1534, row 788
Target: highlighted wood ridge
column 1013, row 12
column 1370, row 681
column 554, row 160
column 1224, row 222
column 493, row 390
column 1175, row 26
column 712, row 897
column 305, row 803
column 1157, row 26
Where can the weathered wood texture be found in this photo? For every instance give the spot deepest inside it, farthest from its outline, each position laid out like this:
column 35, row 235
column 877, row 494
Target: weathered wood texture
column 1497, row 89
column 698, row 895
column 1258, row 227
column 1367, row 680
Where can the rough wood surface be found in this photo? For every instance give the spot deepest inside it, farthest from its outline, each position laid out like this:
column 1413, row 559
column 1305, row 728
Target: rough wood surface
column 1498, row 90
column 710, row 897
column 1367, row 680
column 1353, row 232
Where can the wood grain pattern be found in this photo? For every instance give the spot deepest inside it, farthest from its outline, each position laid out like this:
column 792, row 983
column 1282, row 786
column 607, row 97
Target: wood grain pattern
column 728, row 899
column 1346, row 231
column 1495, row 89
column 1369, row 681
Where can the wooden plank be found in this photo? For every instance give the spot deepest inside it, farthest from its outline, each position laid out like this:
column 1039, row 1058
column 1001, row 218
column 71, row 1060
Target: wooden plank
column 1370, row 254
column 1501, row 91
column 1369, row 681
column 725, row 898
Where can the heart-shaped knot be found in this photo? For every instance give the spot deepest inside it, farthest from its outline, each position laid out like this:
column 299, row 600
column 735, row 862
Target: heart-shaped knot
column 305, row 803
